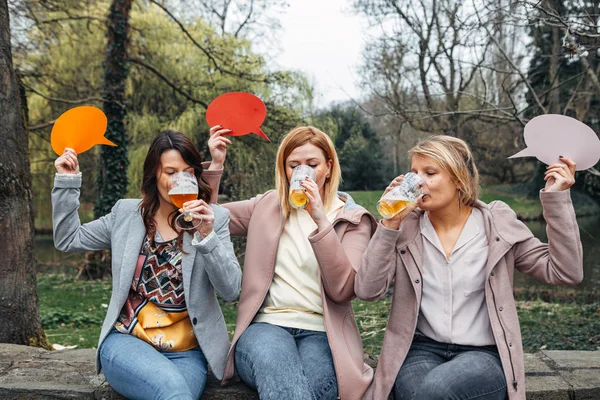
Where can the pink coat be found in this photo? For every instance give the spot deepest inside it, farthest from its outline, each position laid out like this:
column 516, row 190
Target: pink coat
column 399, row 254
column 338, row 251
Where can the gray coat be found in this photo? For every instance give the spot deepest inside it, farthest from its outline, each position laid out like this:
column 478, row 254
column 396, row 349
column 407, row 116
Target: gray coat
column 209, row 267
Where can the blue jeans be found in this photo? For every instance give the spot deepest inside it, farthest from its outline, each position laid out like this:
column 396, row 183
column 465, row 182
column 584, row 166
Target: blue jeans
column 137, row 370
column 286, row 363
column 434, row 370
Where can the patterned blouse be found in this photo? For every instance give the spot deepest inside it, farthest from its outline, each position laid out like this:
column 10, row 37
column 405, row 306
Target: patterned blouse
column 155, row 309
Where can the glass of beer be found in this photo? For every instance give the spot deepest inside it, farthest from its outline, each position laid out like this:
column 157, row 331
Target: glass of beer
column 401, row 196
column 183, row 187
column 297, row 197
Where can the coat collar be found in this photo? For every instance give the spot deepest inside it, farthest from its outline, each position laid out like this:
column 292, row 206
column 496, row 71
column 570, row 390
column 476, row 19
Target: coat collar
column 411, row 238
column 135, row 237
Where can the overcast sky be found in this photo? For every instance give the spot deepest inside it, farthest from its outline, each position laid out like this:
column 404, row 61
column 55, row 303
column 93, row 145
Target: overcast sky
column 323, row 39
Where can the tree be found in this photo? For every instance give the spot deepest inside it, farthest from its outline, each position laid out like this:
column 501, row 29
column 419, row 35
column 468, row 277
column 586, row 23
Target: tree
column 565, row 67
column 112, row 177
column 18, row 288
column 361, row 159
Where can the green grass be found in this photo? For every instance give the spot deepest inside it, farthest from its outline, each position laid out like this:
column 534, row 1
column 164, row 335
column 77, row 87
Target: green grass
column 72, row 313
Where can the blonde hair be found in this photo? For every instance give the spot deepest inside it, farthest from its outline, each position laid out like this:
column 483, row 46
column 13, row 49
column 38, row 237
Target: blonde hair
column 297, row 137
column 454, row 156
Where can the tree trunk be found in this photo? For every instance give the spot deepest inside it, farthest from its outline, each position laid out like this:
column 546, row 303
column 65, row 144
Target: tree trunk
column 18, row 287
column 112, row 176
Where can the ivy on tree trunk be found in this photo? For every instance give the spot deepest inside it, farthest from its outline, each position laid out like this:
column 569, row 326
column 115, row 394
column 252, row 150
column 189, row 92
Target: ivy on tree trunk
column 112, row 177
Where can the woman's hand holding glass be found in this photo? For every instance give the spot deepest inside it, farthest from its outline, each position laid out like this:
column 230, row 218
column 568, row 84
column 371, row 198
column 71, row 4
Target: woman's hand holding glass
column 560, row 176
column 315, row 207
column 67, row 163
column 203, row 212
column 395, row 221
column 183, row 188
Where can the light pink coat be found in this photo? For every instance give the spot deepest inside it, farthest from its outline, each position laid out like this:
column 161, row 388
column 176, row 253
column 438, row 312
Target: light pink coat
column 338, row 250
column 399, row 254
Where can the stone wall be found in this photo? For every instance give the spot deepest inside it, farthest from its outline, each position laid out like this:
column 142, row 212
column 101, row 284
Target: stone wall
column 32, row 373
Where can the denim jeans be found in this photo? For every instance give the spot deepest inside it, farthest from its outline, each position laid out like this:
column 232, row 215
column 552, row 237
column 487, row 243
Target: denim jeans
column 137, row 370
column 286, row 363
column 434, row 370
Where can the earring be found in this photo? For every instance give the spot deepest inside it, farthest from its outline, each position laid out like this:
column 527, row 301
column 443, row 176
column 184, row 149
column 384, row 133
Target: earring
column 328, row 175
column 459, row 202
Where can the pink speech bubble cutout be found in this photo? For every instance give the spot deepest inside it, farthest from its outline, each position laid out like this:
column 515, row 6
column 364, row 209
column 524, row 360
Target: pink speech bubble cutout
column 551, row 135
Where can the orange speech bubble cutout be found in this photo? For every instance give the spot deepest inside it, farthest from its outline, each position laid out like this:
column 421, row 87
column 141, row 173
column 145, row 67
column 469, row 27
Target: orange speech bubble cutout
column 79, row 128
column 241, row 112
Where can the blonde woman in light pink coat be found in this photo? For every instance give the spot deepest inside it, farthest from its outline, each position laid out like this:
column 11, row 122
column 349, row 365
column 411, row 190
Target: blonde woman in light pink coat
column 296, row 337
column 453, row 330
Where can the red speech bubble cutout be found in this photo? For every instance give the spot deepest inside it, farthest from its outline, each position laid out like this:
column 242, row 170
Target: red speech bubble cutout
column 79, row 128
column 241, row 112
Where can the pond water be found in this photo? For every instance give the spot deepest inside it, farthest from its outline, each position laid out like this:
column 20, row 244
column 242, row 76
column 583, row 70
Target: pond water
column 589, row 230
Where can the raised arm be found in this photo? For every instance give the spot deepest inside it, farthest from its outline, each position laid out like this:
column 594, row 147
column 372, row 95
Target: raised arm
column 69, row 234
column 558, row 262
column 561, row 260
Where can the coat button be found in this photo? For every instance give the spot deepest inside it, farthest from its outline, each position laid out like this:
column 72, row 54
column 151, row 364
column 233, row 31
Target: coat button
column 417, row 281
column 402, row 251
column 500, row 309
column 497, row 239
column 194, row 321
column 492, row 274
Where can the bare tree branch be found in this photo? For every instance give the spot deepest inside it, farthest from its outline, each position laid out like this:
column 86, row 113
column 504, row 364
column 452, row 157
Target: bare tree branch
column 168, row 81
column 66, row 101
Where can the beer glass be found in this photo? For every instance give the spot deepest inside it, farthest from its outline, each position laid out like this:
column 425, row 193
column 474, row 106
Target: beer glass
column 397, row 199
column 183, row 187
column 297, row 197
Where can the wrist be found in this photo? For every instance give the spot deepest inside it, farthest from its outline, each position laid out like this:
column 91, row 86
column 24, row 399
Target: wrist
column 391, row 224
column 215, row 165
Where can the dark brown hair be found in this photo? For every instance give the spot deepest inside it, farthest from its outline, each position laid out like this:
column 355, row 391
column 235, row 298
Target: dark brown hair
column 164, row 141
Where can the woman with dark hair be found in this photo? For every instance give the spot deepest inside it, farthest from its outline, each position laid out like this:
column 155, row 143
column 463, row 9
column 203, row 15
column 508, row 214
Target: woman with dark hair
column 163, row 324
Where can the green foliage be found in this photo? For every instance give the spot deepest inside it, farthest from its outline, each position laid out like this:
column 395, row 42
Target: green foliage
column 66, row 60
column 57, row 317
column 361, row 159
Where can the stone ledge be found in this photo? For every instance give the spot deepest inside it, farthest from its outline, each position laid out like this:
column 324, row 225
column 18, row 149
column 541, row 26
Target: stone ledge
column 32, row 373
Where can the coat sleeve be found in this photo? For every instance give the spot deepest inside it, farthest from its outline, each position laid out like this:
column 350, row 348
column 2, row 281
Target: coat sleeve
column 69, row 235
column 560, row 261
column 220, row 262
column 340, row 259
column 240, row 214
column 213, row 179
column 378, row 265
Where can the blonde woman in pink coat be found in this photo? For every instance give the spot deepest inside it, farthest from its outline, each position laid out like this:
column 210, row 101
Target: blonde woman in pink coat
column 296, row 337
column 453, row 330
